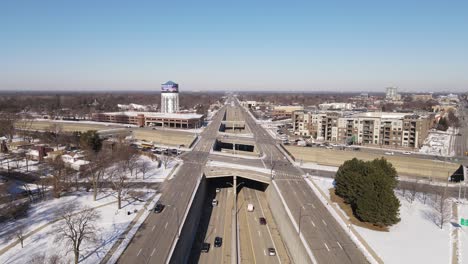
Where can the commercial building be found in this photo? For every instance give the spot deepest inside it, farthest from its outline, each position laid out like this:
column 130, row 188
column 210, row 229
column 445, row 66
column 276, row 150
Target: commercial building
column 370, row 128
column 285, row 111
column 169, row 97
column 154, row 119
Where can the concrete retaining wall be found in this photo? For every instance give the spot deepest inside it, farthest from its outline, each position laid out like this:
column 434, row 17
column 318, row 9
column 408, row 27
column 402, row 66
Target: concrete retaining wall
column 287, row 231
column 189, row 230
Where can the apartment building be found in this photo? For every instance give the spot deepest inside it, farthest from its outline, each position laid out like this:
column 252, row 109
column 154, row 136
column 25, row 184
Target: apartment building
column 370, row 128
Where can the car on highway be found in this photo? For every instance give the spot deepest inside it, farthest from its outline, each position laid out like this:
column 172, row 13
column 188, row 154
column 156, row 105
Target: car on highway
column 262, row 220
column 218, row 190
column 271, row 252
column 205, row 247
column 407, row 153
column 250, row 207
column 389, row 153
column 214, row 202
column 158, row 208
column 218, row 241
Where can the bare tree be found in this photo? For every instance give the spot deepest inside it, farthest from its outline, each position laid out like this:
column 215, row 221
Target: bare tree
column 41, row 186
column 166, row 159
column 442, row 207
column 56, row 130
column 424, row 188
column 7, row 124
column 58, row 175
column 144, row 166
column 96, row 170
column 119, row 181
column 19, row 233
column 76, row 227
column 413, row 190
column 24, row 125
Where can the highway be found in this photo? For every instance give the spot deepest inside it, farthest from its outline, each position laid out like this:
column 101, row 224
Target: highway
column 153, row 241
column 215, row 222
column 259, row 237
column 328, row 242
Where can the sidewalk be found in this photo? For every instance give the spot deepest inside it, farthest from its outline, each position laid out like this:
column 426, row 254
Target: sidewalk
column 5, row 249
column 124, row 234
column 455, row 234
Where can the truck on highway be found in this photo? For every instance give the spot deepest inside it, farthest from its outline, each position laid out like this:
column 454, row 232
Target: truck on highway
column 250, row 207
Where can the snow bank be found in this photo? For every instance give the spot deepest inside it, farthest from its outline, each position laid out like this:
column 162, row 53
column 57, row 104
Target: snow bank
column 416, row 239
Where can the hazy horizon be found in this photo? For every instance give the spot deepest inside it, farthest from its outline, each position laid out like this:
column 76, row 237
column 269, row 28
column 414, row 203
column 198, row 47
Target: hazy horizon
column 335, row 46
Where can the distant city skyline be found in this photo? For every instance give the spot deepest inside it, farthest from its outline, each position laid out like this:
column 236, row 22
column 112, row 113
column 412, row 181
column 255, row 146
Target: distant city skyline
column 240, row 46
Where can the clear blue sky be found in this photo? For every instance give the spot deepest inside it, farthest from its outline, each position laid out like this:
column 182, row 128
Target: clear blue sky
column 242, row 45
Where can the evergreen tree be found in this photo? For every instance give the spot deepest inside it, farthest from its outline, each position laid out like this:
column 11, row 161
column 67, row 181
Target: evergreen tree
column 368, row 188
column 90, row 140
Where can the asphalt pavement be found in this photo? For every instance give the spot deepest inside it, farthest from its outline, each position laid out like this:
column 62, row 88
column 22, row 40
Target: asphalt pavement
column 154, row 240
column 328, row 242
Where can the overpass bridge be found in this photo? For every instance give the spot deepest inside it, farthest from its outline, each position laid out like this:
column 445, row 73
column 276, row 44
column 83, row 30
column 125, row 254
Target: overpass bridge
column 251, row 174
column 169, row 236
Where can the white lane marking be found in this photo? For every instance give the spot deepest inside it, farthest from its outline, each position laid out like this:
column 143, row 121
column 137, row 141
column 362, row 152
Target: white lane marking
column 139, row 251
column 259, row 234
column 312, row 222
column 264, row 252
column 152, row 252
column 339, row 244
column 326, row 246
column 324, row 222
column 165, row 227
column 152, row 229
column 313, row 206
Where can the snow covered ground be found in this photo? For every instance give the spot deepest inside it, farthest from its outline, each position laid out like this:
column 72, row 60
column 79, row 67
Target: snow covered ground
column 18, row 164
column 110, row 226
column 463, row 232
column 439, row 143
column 154, row 174
column 416, row 239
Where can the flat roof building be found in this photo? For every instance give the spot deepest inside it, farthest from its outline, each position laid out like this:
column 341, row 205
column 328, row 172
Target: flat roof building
column 155, row 119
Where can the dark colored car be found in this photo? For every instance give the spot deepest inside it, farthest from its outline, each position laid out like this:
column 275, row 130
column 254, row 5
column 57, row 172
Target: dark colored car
column 271, row 251
column 262, row 220
column 218, row 241
column 158, row 208
column 205, row 247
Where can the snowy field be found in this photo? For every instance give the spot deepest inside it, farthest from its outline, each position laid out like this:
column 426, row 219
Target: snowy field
column 439, row 143
column 109, row 227
column 416, row 239
column 154, row 174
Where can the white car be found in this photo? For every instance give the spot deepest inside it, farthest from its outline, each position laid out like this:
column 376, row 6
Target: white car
column 407, row 153
column 389, row 153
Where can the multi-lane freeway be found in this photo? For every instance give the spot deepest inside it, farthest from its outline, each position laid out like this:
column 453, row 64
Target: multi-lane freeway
column 328, row 242
column 154, row 240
